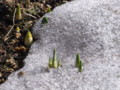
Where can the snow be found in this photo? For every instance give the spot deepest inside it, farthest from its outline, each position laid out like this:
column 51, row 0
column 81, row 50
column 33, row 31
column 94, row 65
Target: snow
column 88, row 27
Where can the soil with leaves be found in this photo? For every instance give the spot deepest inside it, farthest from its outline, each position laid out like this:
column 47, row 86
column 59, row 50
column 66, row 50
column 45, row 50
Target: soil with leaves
column 16, row 21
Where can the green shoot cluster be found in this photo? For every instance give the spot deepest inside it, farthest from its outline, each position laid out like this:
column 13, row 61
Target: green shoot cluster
column 54, row 62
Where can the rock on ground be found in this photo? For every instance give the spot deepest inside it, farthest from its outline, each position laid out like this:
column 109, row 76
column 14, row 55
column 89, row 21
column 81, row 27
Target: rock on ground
column 88, row 27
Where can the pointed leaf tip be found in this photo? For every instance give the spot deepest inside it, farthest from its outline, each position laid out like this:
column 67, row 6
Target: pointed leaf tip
column 55, row 62
column 44, row 20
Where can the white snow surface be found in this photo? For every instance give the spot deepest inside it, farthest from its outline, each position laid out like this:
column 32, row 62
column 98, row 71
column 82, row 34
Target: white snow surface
column 88, row 27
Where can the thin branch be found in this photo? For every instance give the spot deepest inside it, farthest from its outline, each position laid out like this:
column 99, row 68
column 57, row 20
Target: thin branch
column 30, row 15
column 5, row 38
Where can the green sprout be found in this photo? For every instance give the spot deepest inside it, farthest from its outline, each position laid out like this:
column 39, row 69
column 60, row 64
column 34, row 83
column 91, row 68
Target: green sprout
column 53, row 62
column 78, row 63
column 49, row 10
column 17, row 29
column 28, row 39
column 18, row 15
column 44, row 20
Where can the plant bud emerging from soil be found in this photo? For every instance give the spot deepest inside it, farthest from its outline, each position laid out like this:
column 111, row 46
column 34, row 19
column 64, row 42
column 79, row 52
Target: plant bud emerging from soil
column 28, row 39
column 18, row 13
column 17, row 29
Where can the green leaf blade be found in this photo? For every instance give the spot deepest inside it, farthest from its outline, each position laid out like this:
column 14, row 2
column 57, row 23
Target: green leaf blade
column 77, row 60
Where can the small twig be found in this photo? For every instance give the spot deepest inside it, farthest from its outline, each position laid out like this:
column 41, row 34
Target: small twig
column 5, row 38
column 14, row 17
column 30, row 15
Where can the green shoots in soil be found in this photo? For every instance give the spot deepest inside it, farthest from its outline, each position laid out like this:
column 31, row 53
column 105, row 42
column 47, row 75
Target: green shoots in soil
column 18, row 15
column 28, row 39
column 49, row 10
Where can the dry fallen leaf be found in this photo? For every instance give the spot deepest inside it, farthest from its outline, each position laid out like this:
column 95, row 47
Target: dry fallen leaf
column 21, row 48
